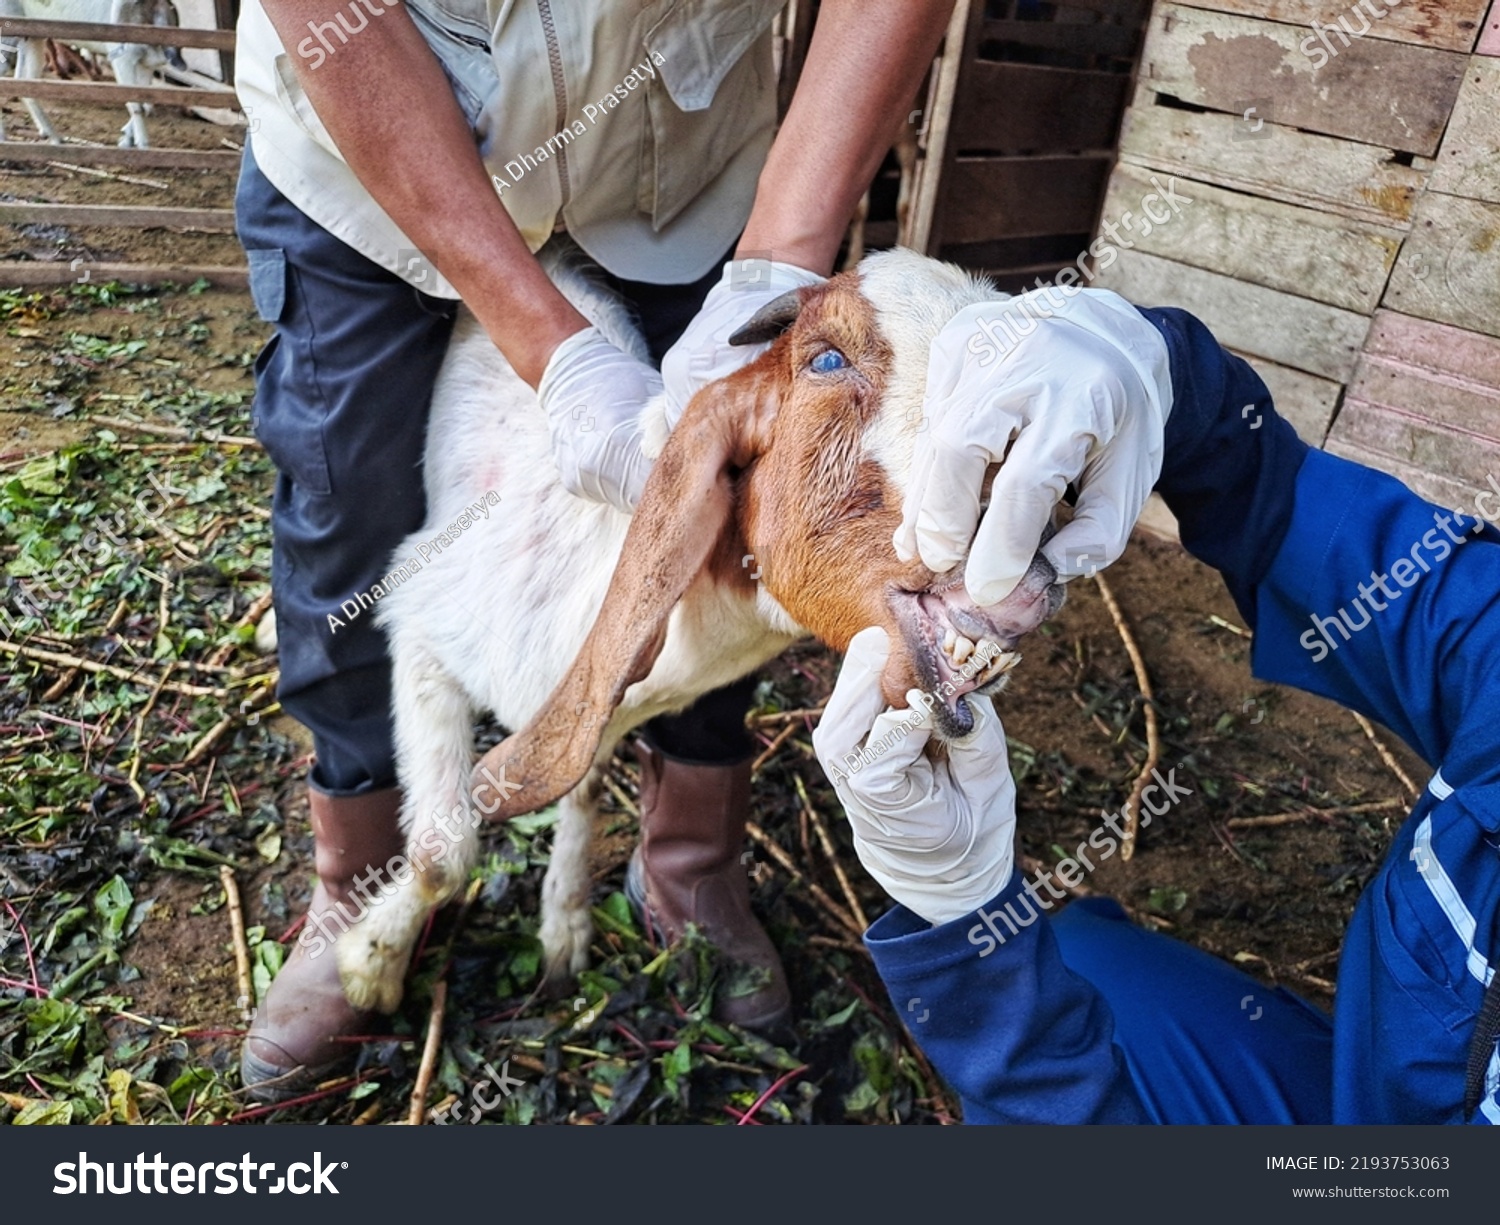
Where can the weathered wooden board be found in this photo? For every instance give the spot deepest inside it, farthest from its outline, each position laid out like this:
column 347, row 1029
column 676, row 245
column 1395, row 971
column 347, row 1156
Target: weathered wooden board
column 1409, row 439
column 1129, row 10
column 1450, row 24
column 107, row 93
column 1015, row 197
column 1426, row 395
column 1305, row 400
column 88, row 155
column 1448, row 375
column 39, row 272
column 1019, row 108
column 1468, row 164
column 1354, row 180
column 209, row 220
column 1375, row 91
column 1097, row 38
column 1449, row 267
column 1329, row 259
column 1489, row 39
column 97, row 31
column 1291, row 331
column 1434, row 486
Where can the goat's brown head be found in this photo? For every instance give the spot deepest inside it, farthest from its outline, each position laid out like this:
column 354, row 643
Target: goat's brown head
column 799, row 461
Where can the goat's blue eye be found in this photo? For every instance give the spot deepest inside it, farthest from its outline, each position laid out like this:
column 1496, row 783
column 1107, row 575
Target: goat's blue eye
column 828, row 361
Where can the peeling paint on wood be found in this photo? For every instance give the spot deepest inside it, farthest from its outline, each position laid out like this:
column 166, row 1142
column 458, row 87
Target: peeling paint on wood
column 1379, row 92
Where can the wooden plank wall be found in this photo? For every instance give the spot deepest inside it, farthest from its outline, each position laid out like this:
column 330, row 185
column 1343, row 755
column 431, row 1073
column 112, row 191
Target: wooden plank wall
column 1344, row 234
column 1031, row 132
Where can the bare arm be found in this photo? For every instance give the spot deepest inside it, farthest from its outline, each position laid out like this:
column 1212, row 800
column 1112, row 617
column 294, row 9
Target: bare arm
column 389, row 108
column 863, row 68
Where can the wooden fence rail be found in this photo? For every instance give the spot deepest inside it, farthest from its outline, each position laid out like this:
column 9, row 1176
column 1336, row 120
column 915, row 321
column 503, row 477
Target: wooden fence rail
column 208, row 220
column 99, row 31
column 47, row 272
column 135, row 159
column 104, row 93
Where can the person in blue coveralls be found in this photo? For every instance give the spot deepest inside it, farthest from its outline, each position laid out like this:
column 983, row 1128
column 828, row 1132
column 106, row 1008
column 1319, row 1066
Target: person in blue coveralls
column 1356, row 588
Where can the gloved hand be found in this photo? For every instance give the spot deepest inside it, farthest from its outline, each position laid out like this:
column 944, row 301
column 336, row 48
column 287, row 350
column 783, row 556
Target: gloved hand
column 939, row 837
column 594, row 396
column 703, row 352
column 1083, row 391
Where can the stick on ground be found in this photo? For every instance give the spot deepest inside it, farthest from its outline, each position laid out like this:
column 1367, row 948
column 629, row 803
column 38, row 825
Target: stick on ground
column 832, row 909
column 1386, row 755
column 1310, row 814
column 827, row 844
column 1153, row 732
column 429, row 1054
column 241, row 944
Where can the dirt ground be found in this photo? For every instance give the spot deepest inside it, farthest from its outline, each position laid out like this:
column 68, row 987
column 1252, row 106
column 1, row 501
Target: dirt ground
column 101, row 791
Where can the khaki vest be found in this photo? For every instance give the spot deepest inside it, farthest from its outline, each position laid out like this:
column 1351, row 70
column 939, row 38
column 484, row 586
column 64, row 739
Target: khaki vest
column 639, row 126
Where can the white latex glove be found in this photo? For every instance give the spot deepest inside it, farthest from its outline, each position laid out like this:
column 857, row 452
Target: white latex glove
column 703, row 352
column 594, row 396
column 939, row 837
column 1084, row 394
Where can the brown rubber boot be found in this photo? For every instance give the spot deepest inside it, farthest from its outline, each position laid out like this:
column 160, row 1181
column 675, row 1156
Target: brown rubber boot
column 293, row 1043
column 688, row 869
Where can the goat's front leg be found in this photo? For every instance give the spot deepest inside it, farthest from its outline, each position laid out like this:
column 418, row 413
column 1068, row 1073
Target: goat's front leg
column 434, row 754
column 30, row 58
column 567, row 927
column 129, row 62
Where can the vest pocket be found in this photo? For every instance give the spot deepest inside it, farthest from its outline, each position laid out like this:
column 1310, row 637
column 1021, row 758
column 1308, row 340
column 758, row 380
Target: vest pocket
column 713, row 92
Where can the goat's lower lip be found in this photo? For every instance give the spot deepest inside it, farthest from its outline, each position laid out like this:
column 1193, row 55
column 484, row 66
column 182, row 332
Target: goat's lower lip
column 925, row 618
column 923, row 622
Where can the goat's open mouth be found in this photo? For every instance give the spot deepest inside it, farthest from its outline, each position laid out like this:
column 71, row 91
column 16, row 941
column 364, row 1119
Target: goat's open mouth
column 955, row 647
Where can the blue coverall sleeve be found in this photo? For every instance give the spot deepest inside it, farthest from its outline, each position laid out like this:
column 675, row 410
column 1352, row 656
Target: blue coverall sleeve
column 1357, row 588
column 1019, row 1037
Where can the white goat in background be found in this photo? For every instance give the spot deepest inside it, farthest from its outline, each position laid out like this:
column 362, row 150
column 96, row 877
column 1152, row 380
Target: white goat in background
column 133, row 63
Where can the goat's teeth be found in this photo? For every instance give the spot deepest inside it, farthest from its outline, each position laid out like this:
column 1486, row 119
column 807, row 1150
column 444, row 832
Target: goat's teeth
column 962, row 649
column 950, row 636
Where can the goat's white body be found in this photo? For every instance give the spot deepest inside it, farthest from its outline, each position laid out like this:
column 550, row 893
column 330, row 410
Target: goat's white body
column 492, row 621
column 133, row 63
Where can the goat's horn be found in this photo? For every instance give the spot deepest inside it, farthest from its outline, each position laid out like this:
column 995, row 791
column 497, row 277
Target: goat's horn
column 771, row 320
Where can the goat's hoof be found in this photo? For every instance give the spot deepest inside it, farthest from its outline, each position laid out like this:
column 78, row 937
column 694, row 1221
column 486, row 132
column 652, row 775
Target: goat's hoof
column 372, row 975
column 566, row 935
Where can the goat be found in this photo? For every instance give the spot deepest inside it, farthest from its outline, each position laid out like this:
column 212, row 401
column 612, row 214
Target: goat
column 133, row 63
column 797, row 462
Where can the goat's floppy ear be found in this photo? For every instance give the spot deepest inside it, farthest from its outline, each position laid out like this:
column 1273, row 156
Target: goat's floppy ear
column 687, row 502
column 770, row 321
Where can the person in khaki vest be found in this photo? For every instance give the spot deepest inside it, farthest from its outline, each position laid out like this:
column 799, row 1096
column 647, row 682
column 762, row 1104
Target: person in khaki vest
column 405, row 157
